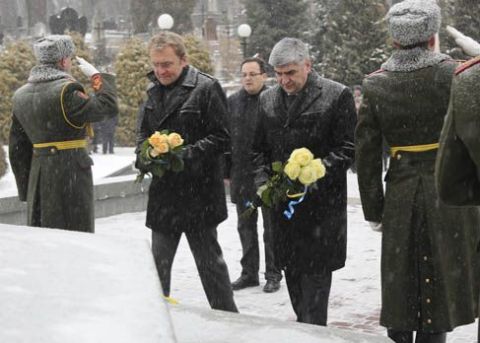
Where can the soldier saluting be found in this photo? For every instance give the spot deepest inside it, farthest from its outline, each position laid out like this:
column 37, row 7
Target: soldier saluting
column 51, row 119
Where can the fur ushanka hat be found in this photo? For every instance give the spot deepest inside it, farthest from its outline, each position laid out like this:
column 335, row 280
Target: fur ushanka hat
column 51, row 49
column 414, row 21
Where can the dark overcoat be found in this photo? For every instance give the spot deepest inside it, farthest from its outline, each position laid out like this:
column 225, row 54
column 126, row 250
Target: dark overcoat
column 197, row 110
column 57, row 184
column 458, row 162
column 322, row 119
column 429, row 277
column 242, row 109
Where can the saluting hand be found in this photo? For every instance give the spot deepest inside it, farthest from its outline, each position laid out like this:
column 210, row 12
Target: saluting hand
column 470, row 46
column 87, row 68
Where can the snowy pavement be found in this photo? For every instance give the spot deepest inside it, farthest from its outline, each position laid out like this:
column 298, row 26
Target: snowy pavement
column 355, row 296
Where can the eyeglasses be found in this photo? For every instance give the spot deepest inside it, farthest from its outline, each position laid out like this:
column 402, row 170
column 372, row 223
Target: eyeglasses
column 244, row 76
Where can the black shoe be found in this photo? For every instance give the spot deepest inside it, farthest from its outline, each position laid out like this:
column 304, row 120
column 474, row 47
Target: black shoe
column 271, row 286
column 244, row 282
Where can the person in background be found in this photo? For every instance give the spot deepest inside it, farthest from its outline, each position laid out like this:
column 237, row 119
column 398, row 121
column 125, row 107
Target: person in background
column 429, row 251
column 306, row 110
column 243, row 107
column 108, row 127
column 183, row 100
column 48, row 137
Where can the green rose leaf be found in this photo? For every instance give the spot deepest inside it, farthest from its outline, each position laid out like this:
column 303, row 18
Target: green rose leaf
column 277, row 167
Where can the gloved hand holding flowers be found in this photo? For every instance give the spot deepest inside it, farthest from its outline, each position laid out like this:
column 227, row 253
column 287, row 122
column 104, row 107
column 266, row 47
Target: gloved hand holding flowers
column 162, row 151
column 289, row 182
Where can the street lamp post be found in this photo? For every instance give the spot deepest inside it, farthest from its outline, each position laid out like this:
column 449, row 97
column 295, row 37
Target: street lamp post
column 165, row 21
column 244, row 31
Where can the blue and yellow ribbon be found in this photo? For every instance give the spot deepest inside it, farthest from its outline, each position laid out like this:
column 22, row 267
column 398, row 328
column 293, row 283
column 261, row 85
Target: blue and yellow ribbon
column 291, row 210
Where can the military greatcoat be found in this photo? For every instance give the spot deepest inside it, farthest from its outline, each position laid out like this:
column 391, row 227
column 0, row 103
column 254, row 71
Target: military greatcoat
column 57, row 183
column 429, row 274
column 458, row 159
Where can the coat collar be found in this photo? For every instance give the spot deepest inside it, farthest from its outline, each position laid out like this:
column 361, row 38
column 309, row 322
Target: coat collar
column 413, row 59
column 308, row 95
column 188, row 80
column 47, row 72
column 179, row 92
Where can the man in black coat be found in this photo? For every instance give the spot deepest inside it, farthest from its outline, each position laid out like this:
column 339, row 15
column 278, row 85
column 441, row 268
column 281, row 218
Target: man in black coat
column 243, row 107
column 183, row 100
column 305, row 110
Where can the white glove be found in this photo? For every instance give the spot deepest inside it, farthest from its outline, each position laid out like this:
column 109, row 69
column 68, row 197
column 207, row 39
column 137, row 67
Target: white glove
column 376, row 226
column 470, row 46
column 86, row 68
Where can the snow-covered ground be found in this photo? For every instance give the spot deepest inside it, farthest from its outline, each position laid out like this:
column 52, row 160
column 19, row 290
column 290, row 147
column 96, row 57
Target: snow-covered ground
column 355, row 296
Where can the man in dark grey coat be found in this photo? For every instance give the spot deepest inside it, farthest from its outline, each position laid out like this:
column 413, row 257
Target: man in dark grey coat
column 183, row 100
column 305, row 110
column 243, row 106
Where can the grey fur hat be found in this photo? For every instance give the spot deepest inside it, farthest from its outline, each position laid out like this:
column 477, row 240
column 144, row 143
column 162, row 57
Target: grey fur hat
column 414, row 21
column 288, row 50
column 53, row 48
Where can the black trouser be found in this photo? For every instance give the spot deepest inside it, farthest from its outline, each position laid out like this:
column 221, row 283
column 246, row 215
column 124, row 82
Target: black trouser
column 421, row 337
column 108, row 142
column 309, row 295
column 208, row 257
column 247, row 229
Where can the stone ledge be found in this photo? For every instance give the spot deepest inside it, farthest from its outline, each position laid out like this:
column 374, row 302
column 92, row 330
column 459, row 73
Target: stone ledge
column 111, row 198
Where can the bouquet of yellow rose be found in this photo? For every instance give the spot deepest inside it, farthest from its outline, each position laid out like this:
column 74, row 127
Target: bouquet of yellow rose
column 289, row 182
column 161, row 152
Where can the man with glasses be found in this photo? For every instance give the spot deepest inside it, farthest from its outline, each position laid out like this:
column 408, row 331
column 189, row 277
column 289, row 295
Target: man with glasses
column 184, row 100
column 243, row 112
column 305, row 110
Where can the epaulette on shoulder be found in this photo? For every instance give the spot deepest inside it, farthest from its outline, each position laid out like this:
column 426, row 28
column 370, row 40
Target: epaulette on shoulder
column 376, row 72
column 464, row 66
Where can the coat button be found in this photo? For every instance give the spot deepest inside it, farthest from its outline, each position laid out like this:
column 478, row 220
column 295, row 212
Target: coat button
column 429, row 321
column 52, row 150
column 425, row 258
column 427, row 280
column 399, row 156
column 428, row 300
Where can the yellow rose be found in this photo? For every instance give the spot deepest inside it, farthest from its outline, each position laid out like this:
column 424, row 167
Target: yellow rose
column 302, row 156
column 157, row 138
column 174, row 140
column 317, row 164
column 161, row 148
column 308, row 175
column 292, row 170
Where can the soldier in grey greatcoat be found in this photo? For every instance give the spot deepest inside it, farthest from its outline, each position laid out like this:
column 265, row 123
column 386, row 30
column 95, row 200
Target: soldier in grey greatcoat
column 429, row 251
column 51, row 120
column 306, row 110
column 458, row 160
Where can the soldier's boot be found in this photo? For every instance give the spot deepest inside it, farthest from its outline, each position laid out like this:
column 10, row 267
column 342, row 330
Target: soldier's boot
column 431, row 337
column 400, row 336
